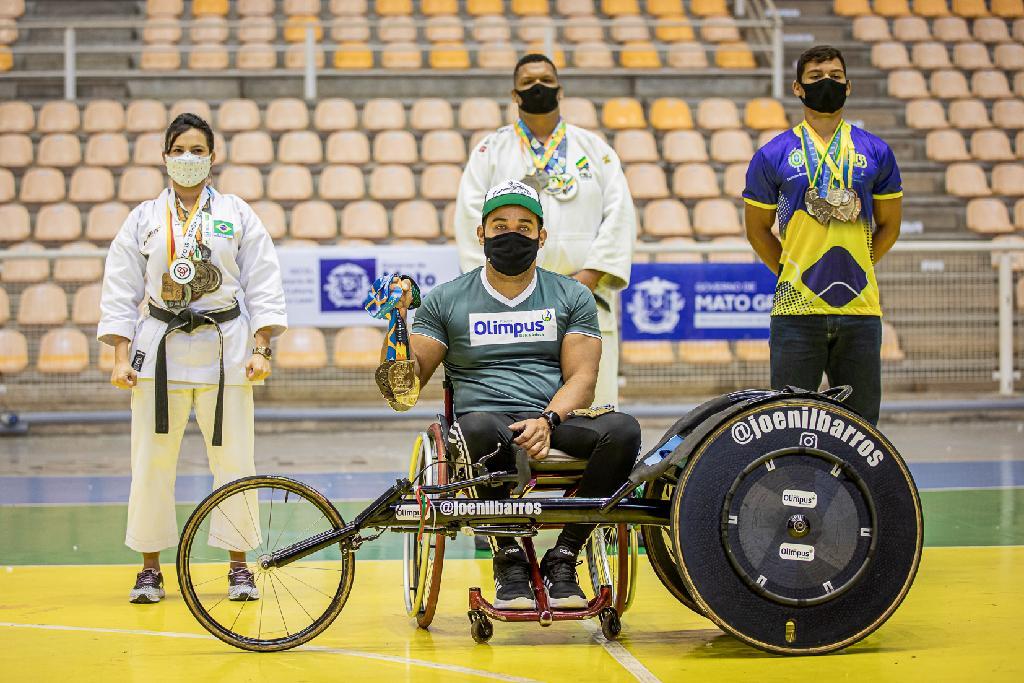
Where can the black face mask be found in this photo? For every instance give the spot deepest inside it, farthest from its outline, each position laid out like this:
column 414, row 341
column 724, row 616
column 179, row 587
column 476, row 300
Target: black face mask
column 511, row 254
column 826, row 96
column 538, row 99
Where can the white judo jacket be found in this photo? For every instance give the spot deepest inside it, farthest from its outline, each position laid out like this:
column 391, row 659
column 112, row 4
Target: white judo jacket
column 251, row 274
column 596, row 229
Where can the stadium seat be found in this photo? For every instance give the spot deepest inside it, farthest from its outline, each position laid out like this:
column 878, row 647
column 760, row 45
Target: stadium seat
column 890, row 55
column 731, row 256
column 172, row 8
column 931, row 8
column 58, row 116
column 449, row 55
column 1018, row 219
column 16, row 117
column 714, row 217
column 392, row 182
column 289, row 183
column 479, row 113
column 765, row 113
column 443, row 29
column 144, row 116
column 1018, row 84
column 405, row 55
column 314, row 220
column 851, row 8
column 162, row 32
column 395, row 147
column 348, row 147
column 25, row 270
column 670, row 113
column 910, row 30
column 364, row 220
column 734, row 55
column 991, row 145
column 907, row 84
column 491, row 29
column 892, row 8
column 478, row 8
column 708, row 8
column 6, row 185
column 584, row 30
column 79, row 269
column 443, row 147
column 716, row 113
column 238, row 115
column 674, row 28
column 260, row 30
column 448, row 221
column 580, row 112
column 15, row 150
column 295, row 57
column 60, row 222
column 5, row 314
column 1010, row 9
column 335, row 114
column 734, row 179
column 990, row 85
column 160, row 58
column 301, row 348
column 870, row 29
column 431, row 113
column 208, row 8
column 14, row 223
column 440, row 181
column 1008, row 114
column 432, row 8
column 971, row 56
column 256, row 57
column 527, row 8
column 947, row 84
column 639, row 55
column 1020, row 144
column 107, row 149
column 13, row 352
column 767, row 136
column 719, row 29
column 105, row 221
column 623, row 112
column 12, row 9
column 253, row 147
column 299, row 147
column 305, row 7
column 635, row 146
column 970, row 8
column 950, row 30
column 648, row 353
column 399, row 29
column 296, row 26
column 681, row 146
column 244, row 181
column 287, row 113
column 138, row 184
column 390, row 8
column 946, row 145
column 669, row 253
column 557, row 56
column 208, row 31
column 666, row 218
column 43, row 304
column 342, row 182
column 625, row 29
column 663, row 8
column 358, row 347
column 1009, row 56
column 61, row 150
column 926, row 115
column 416, row 219
column 271, row 214
column 988, row 216
column 198, row 107
column 970, row 114
column 695, row 181
column 383, row 114
column 103, row 116
column 618, row 8
column 966, row 180
column 63, row 350
column 698, row 352
column 752, row 350
column 40, row 185
column 930, row 56
column 1008, row 180
column 646, row 181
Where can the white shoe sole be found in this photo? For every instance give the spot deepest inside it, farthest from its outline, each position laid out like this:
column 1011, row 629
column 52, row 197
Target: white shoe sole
column 146, row 596
column 571, row 602
column 243, row 594
column 516, row 603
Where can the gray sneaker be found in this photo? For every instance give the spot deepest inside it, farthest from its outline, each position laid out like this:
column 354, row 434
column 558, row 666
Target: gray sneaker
column 241, row 585
column 149, row 587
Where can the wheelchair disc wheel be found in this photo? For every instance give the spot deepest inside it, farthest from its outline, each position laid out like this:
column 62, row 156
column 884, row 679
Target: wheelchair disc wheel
column 258, row 516
column 658, row 546
column 612, row 552
column 423, row 555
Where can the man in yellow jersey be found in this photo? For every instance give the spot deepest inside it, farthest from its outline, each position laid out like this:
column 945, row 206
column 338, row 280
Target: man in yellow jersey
column 837, row 192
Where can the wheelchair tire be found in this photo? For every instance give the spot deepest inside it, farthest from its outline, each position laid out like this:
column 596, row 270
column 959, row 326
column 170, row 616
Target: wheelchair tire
column 661, row 556
column 424, row 557
column 797, row 526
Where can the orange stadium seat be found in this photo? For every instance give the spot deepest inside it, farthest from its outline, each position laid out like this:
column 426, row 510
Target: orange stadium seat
column 907, row 84
column 970, row 8
column 388, row 8
column 670, row 113
column 699, row 352
column 680, row 146
column 971, row 56
column 14, row 223
column 287, row 113
column 892, row 8
column 665, row 8
column 646, row 181
column 335, row 114
column 300, row 147
column 392, row 182
column 765, row 113
column 139, row 184
column 364, row 220
column 78, row 269
column 314, row 220
column 271, row 214
column 40, row 185
column 988, row 216
column 405, row 55
column 890, row 55
column 256, row 57
column 431, row 113
column 966, row 180
column 639, row 55
column 491, row 29
column 1008, row 179
column 289, row 183
column 708, row 8
column 440, row 181
column 851, row 8
column 16, row 117
column 950, row 29
column 925, row 114
column 947, row 84
column 107, row 149
column 416, row 219
column 260, row 30
column 734, row 179
column 15, row 150
column 623, row 112
column 479, row 113
column 752, row 350
column 584, row 30
column 26, row 270
column 635, row 145
column 383, row 114
column 62, row 150
column 204, row 8
column 1010, row 9
column 990, row 85
column 244, row 181
column 673, row 29
column 695, row 181
column 353, row 55
column 443, row 147
column 252, row 147
column 297, row 25
column 666, row 218
column 717, row 113
column 395, row 147
column 579, row 112
column 1009, row 56
column 478, row 8
column 60, row 222
column 43, row 304
column 911, row 30
column 105, row 220
column 931, row 8
column 58, row 116
column 348, row 147
column 970, row 114
column 435, row 7
column 443, row 29
column 145, row 116
column 946, row 145
column 1008, row 114
column 870, row 29
column 526, row 8
column 713, row 217
column 238, row 115
column 930, row 55
column 13, row 352
column 735, row 55
column 358, row 347
column 342, row 182
column 616, row 8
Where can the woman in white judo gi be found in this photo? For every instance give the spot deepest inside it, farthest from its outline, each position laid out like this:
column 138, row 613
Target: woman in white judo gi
column 192, row 296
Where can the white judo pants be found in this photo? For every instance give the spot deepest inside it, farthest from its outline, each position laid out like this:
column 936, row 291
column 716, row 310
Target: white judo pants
column 152, row 523
column 607, row 390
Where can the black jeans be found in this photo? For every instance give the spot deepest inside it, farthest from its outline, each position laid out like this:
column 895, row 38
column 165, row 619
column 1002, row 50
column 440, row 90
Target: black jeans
column 847, row 348
column 609, row 442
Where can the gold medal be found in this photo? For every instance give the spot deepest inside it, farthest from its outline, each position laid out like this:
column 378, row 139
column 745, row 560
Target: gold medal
column 174, row 293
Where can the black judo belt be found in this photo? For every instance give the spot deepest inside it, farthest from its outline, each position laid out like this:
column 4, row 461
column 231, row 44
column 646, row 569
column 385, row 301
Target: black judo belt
column 186, row 320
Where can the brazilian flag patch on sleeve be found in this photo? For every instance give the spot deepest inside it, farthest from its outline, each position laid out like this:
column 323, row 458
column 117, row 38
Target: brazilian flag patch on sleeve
column 223, row 229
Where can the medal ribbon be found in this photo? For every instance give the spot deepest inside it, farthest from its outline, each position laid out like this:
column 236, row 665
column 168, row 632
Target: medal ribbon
column 838, row 158
column 542, row 161
column 380, row 302
column 188, row 241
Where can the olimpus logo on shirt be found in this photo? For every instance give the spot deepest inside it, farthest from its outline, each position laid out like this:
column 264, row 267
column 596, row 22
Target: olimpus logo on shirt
column 513, row 327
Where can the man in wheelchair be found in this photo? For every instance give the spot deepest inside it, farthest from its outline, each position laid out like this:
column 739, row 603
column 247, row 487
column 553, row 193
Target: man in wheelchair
column 521, row 346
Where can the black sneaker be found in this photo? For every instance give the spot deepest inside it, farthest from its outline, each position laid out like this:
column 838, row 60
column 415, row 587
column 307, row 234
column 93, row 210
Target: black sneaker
column 559, row 571
column 512, row 588
column 241, row 586
column 149, row 587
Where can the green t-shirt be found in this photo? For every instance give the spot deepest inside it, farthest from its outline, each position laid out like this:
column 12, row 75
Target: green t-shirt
column 503, row 355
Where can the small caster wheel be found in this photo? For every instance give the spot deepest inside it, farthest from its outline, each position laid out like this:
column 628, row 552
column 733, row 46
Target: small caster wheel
column 480, row 627
column 611, row 627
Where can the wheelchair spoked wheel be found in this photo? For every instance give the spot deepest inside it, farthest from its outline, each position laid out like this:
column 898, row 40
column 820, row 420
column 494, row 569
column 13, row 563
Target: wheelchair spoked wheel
column 612, row 553
column 423, row 555
column 658, row 546
column 258, row 515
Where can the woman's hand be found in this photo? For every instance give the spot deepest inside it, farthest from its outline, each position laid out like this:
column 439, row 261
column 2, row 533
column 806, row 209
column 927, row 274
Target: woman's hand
column 257, row 368
column 123, row 376
column 535, row 437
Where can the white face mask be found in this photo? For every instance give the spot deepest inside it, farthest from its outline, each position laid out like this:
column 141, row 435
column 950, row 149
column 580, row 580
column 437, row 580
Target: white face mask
column 188, row 170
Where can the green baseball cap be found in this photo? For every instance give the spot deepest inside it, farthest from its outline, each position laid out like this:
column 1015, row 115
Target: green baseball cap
column 512, row 192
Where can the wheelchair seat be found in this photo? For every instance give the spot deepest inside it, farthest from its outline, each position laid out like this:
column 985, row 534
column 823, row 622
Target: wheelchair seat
column 558, row 461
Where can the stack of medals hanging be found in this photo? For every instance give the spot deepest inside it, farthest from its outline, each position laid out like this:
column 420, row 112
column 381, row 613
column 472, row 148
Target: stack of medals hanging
column 550, row 171
column 190, row 272
column 830, row 195
column 396, row 376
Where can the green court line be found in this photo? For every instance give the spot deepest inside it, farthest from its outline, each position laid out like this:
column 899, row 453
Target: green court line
column 94, row 534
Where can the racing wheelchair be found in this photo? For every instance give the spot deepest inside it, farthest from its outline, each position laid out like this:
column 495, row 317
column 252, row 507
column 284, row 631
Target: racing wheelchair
column 781, row 516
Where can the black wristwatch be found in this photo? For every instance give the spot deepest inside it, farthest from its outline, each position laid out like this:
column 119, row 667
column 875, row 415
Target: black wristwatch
column 553, row 418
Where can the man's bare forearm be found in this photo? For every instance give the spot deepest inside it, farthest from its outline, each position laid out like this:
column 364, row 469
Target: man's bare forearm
column 577, row 392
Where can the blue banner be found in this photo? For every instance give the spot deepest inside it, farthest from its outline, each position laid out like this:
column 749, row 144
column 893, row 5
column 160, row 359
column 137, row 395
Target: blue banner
column 677, row 301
